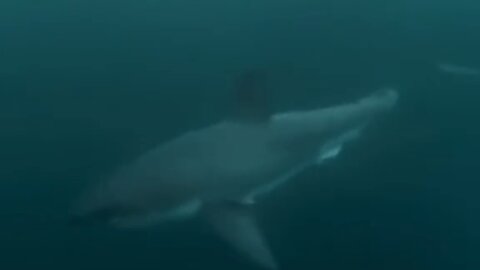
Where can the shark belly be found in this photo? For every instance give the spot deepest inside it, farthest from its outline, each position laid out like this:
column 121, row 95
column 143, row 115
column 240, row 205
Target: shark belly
column 182, row 211
column 262, row 190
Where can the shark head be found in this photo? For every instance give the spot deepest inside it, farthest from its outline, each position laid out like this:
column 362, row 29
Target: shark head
column 100, row 216
column 97, row 206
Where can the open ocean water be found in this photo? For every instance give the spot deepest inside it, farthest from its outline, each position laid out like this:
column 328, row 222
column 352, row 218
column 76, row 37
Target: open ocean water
column 87, row 85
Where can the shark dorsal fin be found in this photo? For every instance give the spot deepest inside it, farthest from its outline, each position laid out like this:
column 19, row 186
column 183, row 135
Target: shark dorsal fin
column 251, row 97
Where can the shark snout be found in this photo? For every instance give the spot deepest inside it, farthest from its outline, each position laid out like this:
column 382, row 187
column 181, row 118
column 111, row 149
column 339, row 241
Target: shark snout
column 100, row 216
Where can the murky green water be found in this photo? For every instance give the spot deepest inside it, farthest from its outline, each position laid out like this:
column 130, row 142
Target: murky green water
column 87, row 85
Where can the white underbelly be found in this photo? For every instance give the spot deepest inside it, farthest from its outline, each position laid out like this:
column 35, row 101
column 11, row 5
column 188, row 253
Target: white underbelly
column 264, row 189
column 329, row 150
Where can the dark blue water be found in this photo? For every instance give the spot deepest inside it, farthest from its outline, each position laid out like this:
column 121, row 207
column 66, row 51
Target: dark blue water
column 87, row 85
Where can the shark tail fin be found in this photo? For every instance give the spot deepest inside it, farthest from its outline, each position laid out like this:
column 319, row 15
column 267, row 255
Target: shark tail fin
column 386, row 96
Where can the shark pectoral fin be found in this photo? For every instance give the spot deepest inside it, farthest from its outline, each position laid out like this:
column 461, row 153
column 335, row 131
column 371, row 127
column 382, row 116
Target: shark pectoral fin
column 252, row 98
column 234, row 222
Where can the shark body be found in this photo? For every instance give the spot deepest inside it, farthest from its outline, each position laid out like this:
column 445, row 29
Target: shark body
column 219, row 171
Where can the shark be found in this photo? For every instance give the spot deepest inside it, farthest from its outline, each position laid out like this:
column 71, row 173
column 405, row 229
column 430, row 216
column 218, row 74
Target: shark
column 221, row 171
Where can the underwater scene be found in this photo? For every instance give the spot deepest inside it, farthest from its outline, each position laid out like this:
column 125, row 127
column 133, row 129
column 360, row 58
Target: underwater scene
column 239, row 134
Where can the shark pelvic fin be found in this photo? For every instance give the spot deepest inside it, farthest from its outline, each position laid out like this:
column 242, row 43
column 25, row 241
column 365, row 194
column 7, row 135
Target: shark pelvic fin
column 235, row 223
column 334, row 147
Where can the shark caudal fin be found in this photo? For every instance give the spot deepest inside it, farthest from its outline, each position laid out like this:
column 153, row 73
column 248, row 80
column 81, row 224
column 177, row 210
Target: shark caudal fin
column 379, row 101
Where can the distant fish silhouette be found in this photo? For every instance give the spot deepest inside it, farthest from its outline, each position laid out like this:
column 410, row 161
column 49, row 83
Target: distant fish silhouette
column 458, row 70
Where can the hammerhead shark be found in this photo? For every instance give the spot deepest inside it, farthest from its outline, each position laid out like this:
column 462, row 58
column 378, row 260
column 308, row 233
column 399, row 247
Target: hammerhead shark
column 220, row 171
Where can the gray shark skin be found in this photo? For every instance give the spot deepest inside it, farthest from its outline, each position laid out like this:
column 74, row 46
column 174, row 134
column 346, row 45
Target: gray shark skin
column 219, row 171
